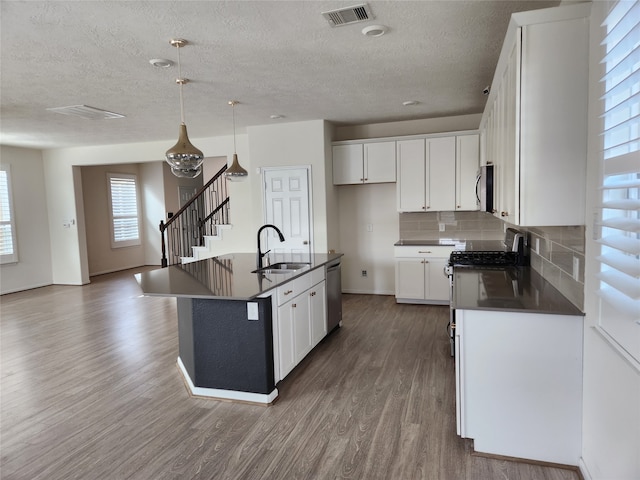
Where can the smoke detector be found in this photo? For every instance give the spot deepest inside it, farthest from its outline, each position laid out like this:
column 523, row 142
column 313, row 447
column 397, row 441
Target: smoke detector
column 348, row 15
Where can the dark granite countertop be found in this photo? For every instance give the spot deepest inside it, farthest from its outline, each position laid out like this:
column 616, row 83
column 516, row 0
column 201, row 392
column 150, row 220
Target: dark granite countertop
column 517, row 289
column 226, row 277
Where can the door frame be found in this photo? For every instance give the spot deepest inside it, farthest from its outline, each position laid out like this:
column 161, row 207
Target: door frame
column 263, row 183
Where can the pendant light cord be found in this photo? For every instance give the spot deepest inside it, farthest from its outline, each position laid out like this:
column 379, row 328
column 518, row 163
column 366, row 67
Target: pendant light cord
column 181, row 83
column 233, row 110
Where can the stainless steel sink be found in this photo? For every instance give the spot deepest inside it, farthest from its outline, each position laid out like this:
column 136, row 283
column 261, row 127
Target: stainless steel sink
column 282, row 267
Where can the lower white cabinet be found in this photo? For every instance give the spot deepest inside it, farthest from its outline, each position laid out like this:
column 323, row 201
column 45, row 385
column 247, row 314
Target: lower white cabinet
column 519, row 383
column 420, row 276
column 301, row 320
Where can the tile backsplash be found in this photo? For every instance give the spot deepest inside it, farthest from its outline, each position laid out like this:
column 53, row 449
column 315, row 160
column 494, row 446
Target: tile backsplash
column 556, row 253
column 450, row 225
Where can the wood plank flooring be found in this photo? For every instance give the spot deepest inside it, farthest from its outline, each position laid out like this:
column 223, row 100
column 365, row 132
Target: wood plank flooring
column 90, row 390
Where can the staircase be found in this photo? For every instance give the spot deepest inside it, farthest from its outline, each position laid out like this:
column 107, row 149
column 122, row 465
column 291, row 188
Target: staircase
column 191, row 234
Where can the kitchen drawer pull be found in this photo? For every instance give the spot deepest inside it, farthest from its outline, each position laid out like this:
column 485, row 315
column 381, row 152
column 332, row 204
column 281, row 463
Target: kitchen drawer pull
column 424, row 251
column 288, row 292
column 293, row 305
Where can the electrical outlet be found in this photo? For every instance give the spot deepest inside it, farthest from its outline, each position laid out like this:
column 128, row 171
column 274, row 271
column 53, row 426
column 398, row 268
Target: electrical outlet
column 576, row 268
column 364, row 273
column 441, row 227
column 538, row 246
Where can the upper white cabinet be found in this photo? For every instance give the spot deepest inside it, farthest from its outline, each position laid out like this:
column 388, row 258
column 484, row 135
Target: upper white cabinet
column 437, row 173
column 467, row 163
column 535, row 123
column 373, row 162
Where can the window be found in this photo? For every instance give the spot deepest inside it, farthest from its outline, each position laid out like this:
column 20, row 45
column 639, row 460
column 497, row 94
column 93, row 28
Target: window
column 125, row 212
column 619, row 219
column 8, row 244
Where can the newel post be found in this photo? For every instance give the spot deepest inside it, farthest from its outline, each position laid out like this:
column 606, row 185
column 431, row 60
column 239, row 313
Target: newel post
column 163, row 261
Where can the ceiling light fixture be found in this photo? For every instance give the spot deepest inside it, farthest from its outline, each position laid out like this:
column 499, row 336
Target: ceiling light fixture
column 185, row 159
column 161, row 62
column 374, row 30
column 235, row 172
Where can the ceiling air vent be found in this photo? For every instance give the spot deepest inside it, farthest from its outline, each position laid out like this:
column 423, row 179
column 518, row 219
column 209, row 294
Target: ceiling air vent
column 85, row 111
column 345, row 16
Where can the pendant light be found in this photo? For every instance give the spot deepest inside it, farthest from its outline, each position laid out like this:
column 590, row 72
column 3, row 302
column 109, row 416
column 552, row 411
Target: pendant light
column 235, row 172
column 185, row 159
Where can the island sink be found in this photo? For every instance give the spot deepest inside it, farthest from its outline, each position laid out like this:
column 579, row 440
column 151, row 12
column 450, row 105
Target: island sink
column 282, row 267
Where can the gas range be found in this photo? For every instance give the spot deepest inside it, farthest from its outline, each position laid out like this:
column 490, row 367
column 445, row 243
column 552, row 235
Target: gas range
column 512, row 255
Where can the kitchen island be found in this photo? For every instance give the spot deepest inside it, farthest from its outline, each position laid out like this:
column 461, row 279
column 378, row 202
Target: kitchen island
column 232, row 328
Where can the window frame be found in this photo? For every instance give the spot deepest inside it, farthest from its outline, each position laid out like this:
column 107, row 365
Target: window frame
column 112, row 218
column 11, row 257
column 616, row 237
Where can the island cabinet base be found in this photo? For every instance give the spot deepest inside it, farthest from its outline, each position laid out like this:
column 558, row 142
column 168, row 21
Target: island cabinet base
column 226, row 348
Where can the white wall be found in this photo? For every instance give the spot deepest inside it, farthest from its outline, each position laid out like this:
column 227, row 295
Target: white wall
column 32, row 227
column 302, row 143
column 375, row 204
column 611, row 398
column 153, row 204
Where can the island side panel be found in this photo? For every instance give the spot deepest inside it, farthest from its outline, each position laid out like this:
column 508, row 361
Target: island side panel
column 185, row 335
column 232, row 352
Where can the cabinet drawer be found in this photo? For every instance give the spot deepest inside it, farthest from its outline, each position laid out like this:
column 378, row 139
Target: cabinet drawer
column 294, row 288
column 317, row 276
column 436, row 251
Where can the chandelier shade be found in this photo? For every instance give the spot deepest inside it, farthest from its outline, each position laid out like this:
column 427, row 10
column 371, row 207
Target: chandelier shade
column 184, row 158
column 235, row 172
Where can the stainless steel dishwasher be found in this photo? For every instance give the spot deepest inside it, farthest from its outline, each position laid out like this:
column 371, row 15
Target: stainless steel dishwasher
column 334, row 295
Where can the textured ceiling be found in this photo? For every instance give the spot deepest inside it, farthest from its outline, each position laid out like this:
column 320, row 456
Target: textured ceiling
column 275, row 57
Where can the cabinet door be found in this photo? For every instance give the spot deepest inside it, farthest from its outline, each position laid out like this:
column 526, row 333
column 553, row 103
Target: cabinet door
column 286, row 351
column 348, row 164
column 436, row 283
column 467, row 164
column 380, row 162
column 411, row 186
column 318, row 312
column 509, row 178
column 410, row 278
column 441, row 174
column 301, row 326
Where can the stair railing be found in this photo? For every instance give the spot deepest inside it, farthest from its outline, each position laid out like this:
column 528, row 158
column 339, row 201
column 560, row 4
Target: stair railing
column 200, row 216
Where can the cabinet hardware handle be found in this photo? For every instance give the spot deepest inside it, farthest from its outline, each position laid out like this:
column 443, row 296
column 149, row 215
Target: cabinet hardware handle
column 293, row 305
column 504, row 214
column 424, row 251
column 288, row 292
column 423, row 207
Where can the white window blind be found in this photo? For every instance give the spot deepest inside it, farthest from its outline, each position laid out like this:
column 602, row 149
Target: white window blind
column 8, row 245
column 619, row 232
column 125, row 214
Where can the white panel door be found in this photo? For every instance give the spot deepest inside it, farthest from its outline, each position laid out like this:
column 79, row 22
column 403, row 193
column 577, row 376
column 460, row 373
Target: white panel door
column 286, row 193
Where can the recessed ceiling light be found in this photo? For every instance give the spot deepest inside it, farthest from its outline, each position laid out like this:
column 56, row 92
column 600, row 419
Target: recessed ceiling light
column 161, row 62
column 374, row 30
column 410, row 103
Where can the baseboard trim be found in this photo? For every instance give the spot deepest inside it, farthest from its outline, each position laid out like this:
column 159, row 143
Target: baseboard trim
column 506, row 458
column 23, row 289
column 226, row 395
column 366, row 292
column 584, row 471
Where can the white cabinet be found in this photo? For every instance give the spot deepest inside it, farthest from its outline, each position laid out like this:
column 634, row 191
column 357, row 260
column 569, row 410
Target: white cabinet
column 373, row 162
column 301, row 319
column 437, row 173
column 519, row 384
column 420, row 274
column 535, row 121
column 467, row 164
